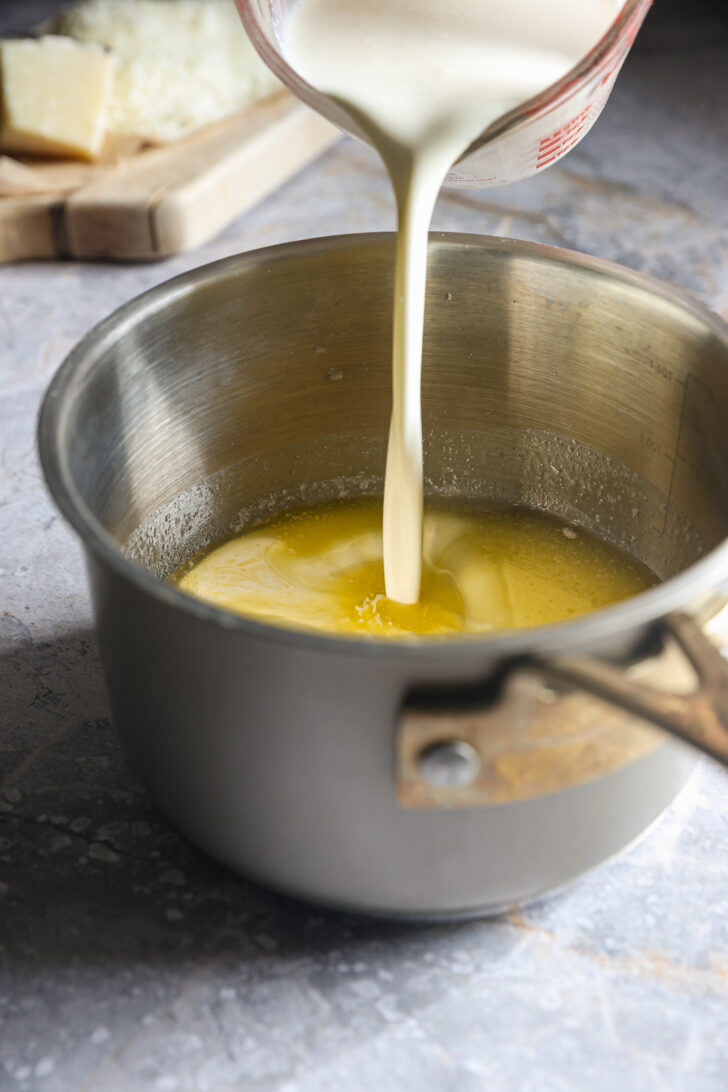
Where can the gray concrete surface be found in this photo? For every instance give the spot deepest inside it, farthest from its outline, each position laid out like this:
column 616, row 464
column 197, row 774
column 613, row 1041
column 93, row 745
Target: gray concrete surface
column 128, row 960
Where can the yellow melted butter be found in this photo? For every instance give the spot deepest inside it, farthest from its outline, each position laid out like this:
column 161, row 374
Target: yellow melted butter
column 321, row 568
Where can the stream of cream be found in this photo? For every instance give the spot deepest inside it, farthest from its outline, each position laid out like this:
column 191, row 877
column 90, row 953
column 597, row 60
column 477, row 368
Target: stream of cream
column 423, row 78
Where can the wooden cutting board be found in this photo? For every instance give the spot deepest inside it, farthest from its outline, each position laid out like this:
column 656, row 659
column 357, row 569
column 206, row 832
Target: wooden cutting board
column 161, row 201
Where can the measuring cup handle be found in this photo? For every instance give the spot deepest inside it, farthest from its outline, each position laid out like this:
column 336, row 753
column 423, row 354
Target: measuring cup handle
column 699, row 717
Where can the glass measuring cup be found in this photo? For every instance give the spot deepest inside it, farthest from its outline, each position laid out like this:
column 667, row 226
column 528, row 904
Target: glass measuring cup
column 518, row 144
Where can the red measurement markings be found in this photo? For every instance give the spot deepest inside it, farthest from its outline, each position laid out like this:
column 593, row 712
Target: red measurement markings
column 556, row 144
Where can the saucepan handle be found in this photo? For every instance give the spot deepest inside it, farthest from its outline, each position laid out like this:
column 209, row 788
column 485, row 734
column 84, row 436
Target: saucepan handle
column 699, row 717
column 536, row 727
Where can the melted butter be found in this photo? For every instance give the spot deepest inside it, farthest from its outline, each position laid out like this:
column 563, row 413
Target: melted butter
column 321, row 568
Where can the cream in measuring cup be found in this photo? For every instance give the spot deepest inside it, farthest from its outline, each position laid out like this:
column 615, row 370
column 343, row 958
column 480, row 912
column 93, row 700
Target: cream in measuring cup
column 422, row 79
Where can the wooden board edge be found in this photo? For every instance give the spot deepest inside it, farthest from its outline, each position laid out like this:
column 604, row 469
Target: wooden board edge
column 189, row 215
column 31, row 227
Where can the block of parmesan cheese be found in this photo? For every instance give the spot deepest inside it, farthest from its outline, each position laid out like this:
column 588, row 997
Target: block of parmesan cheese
column 54, row 97
column 181, row 63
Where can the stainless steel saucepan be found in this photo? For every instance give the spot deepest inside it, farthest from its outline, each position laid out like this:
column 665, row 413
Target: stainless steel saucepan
column 426, row 777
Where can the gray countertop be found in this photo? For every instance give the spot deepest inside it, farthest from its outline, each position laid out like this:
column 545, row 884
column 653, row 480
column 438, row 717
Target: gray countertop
column 128, row 960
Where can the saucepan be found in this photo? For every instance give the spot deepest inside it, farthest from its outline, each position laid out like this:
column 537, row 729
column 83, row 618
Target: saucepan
column 423, row 777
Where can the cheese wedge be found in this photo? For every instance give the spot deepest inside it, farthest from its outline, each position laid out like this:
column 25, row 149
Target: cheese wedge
column 54, row 97
column 181, row 63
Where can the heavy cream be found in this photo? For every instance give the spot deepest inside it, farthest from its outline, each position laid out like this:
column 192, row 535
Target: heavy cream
column 422, row 79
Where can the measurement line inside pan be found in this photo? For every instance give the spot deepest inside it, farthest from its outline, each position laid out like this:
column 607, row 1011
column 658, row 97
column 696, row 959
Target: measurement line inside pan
column 674, row 456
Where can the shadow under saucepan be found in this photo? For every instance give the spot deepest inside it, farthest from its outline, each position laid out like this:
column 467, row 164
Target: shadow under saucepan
column 93, row 873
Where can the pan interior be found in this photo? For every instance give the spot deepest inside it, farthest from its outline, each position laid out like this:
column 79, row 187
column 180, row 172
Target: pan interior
column 532, row 469
column 265, row 382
